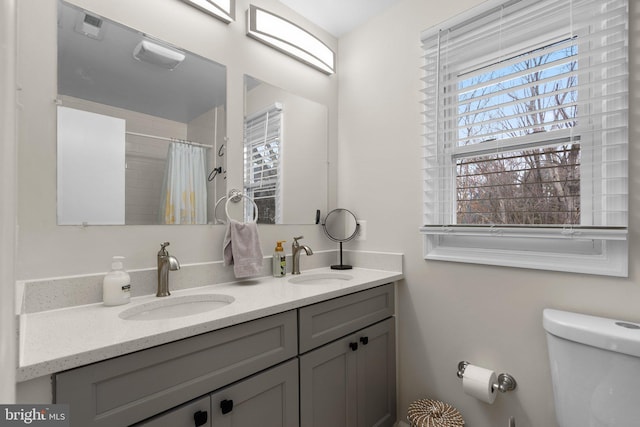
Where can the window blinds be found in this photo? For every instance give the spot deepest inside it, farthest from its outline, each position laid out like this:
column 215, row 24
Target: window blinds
column 528, row 82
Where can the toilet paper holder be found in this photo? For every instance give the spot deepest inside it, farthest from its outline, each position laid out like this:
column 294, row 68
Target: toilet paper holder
column 505, row 383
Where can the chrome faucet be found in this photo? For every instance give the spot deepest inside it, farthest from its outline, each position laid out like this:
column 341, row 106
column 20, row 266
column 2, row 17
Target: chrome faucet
column 296, row 248
column 166, row 263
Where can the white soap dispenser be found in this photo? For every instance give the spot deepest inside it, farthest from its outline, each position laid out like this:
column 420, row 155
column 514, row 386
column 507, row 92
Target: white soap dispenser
column 116, row 285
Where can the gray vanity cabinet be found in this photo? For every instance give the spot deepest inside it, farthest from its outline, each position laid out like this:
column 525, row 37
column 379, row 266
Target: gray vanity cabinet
column 329, row 364
column 349, row 381
column 196, row 413
column 131, row 388
column 376, row 365
column 267, row 399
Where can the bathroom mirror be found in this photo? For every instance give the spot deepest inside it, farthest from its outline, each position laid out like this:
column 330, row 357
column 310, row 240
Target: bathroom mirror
column 341, row 225
column 149, row 95
column 285, row 155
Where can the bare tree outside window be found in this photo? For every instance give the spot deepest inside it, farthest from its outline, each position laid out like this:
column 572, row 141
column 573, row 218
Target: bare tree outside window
column 534, row 93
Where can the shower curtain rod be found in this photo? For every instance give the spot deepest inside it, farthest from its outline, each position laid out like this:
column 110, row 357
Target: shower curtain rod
column 164, row 138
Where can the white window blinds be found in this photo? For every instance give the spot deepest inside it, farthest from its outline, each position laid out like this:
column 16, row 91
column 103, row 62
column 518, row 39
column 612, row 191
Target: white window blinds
column 525, row 152
column 525, row 113
column 262, row 163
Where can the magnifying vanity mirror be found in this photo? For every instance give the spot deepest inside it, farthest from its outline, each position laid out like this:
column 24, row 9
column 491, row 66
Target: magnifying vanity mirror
column 123, row 99
column 341, row 225
column 285, row 154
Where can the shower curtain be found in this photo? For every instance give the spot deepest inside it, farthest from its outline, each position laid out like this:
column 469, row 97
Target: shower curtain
column 184, row 196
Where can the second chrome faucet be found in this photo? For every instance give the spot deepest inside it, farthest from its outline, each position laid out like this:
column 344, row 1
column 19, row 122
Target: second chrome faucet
column 166, row 263
column 296, row 248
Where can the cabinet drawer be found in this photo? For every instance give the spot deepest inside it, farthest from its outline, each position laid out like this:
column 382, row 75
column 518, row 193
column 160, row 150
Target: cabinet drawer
column 130, row 388
column 329, row 320
column 183, row 416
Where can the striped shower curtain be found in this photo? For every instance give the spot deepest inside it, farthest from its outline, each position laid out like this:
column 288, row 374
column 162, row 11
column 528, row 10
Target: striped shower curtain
column 184, row 196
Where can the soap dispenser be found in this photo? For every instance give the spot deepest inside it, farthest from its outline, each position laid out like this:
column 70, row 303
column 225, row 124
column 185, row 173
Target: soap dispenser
column 279, row 260
column 116, row 285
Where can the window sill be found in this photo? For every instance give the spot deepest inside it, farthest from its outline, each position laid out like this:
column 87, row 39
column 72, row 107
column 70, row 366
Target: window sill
column 599, row 255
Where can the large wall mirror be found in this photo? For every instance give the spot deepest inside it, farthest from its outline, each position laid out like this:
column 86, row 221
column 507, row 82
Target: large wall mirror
column 285, row 155
column 141, row 126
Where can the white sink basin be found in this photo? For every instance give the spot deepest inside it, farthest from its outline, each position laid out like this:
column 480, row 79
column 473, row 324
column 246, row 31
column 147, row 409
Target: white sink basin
column 176, row 306
column 321, row 279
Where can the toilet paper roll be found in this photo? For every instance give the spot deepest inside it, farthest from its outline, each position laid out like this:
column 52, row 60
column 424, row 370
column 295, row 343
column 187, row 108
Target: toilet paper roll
column 478, row 382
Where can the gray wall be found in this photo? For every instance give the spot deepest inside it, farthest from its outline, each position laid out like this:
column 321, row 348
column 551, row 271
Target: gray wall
column 447, row 312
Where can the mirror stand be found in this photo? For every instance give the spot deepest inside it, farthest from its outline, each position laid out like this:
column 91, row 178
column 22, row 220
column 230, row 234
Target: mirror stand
column 341, row 225
column 341, row 266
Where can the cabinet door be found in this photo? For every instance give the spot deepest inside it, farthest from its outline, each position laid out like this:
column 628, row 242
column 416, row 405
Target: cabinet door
column 351, row 382
column 328, row 385
column 268, row 399
column 191, row 414
column 377, row 375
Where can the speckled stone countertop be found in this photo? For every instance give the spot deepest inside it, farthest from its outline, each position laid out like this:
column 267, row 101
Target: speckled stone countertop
column 57, row 340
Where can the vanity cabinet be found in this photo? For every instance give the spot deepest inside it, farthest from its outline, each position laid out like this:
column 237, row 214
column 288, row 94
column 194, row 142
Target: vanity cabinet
column 196, row 413
column 268, row 399
column 349, row 381
column 134, row 387
column 327, row 364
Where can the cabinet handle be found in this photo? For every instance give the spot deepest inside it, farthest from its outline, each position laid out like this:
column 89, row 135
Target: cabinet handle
column 353, row 346
column 200, row 418
column 364, row 340
column 226, row 406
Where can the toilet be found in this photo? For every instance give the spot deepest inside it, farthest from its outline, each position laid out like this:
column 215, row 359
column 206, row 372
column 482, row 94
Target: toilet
column 595, row 369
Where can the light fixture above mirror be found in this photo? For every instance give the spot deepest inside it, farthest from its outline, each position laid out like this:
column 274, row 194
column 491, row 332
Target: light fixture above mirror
column 290, row 39
column 224, row 10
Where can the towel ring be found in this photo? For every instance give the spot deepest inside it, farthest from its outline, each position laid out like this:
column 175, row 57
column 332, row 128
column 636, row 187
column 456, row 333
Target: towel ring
column 235, row 196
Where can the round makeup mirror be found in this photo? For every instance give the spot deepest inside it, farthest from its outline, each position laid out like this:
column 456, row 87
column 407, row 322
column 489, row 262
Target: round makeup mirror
column 341, row 225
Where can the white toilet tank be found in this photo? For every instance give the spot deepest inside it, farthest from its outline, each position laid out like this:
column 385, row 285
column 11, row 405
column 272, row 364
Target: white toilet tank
column 595, row 368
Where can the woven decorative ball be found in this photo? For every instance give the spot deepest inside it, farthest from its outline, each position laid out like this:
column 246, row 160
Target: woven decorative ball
column 433, row 413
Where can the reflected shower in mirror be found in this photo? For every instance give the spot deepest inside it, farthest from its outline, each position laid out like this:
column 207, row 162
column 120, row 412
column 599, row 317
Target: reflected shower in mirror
column 285, row 154
column 132, row 110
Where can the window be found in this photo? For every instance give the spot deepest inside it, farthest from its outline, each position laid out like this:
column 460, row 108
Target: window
column 535, row 182
column 525, row 147
column 262, row 164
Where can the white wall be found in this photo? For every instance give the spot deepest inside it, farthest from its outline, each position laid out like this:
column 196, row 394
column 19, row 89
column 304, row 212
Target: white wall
column 48, row 250
column 8, row 155
column 449, row 312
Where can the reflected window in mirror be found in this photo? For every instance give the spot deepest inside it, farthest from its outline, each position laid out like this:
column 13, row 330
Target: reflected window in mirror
column 287, row 171
column 167, row 97
column 263, row 149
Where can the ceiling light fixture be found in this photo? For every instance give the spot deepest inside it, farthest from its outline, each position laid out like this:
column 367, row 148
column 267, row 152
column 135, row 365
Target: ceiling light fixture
column 159, row 55
column 224, row 10
column 289, row 38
